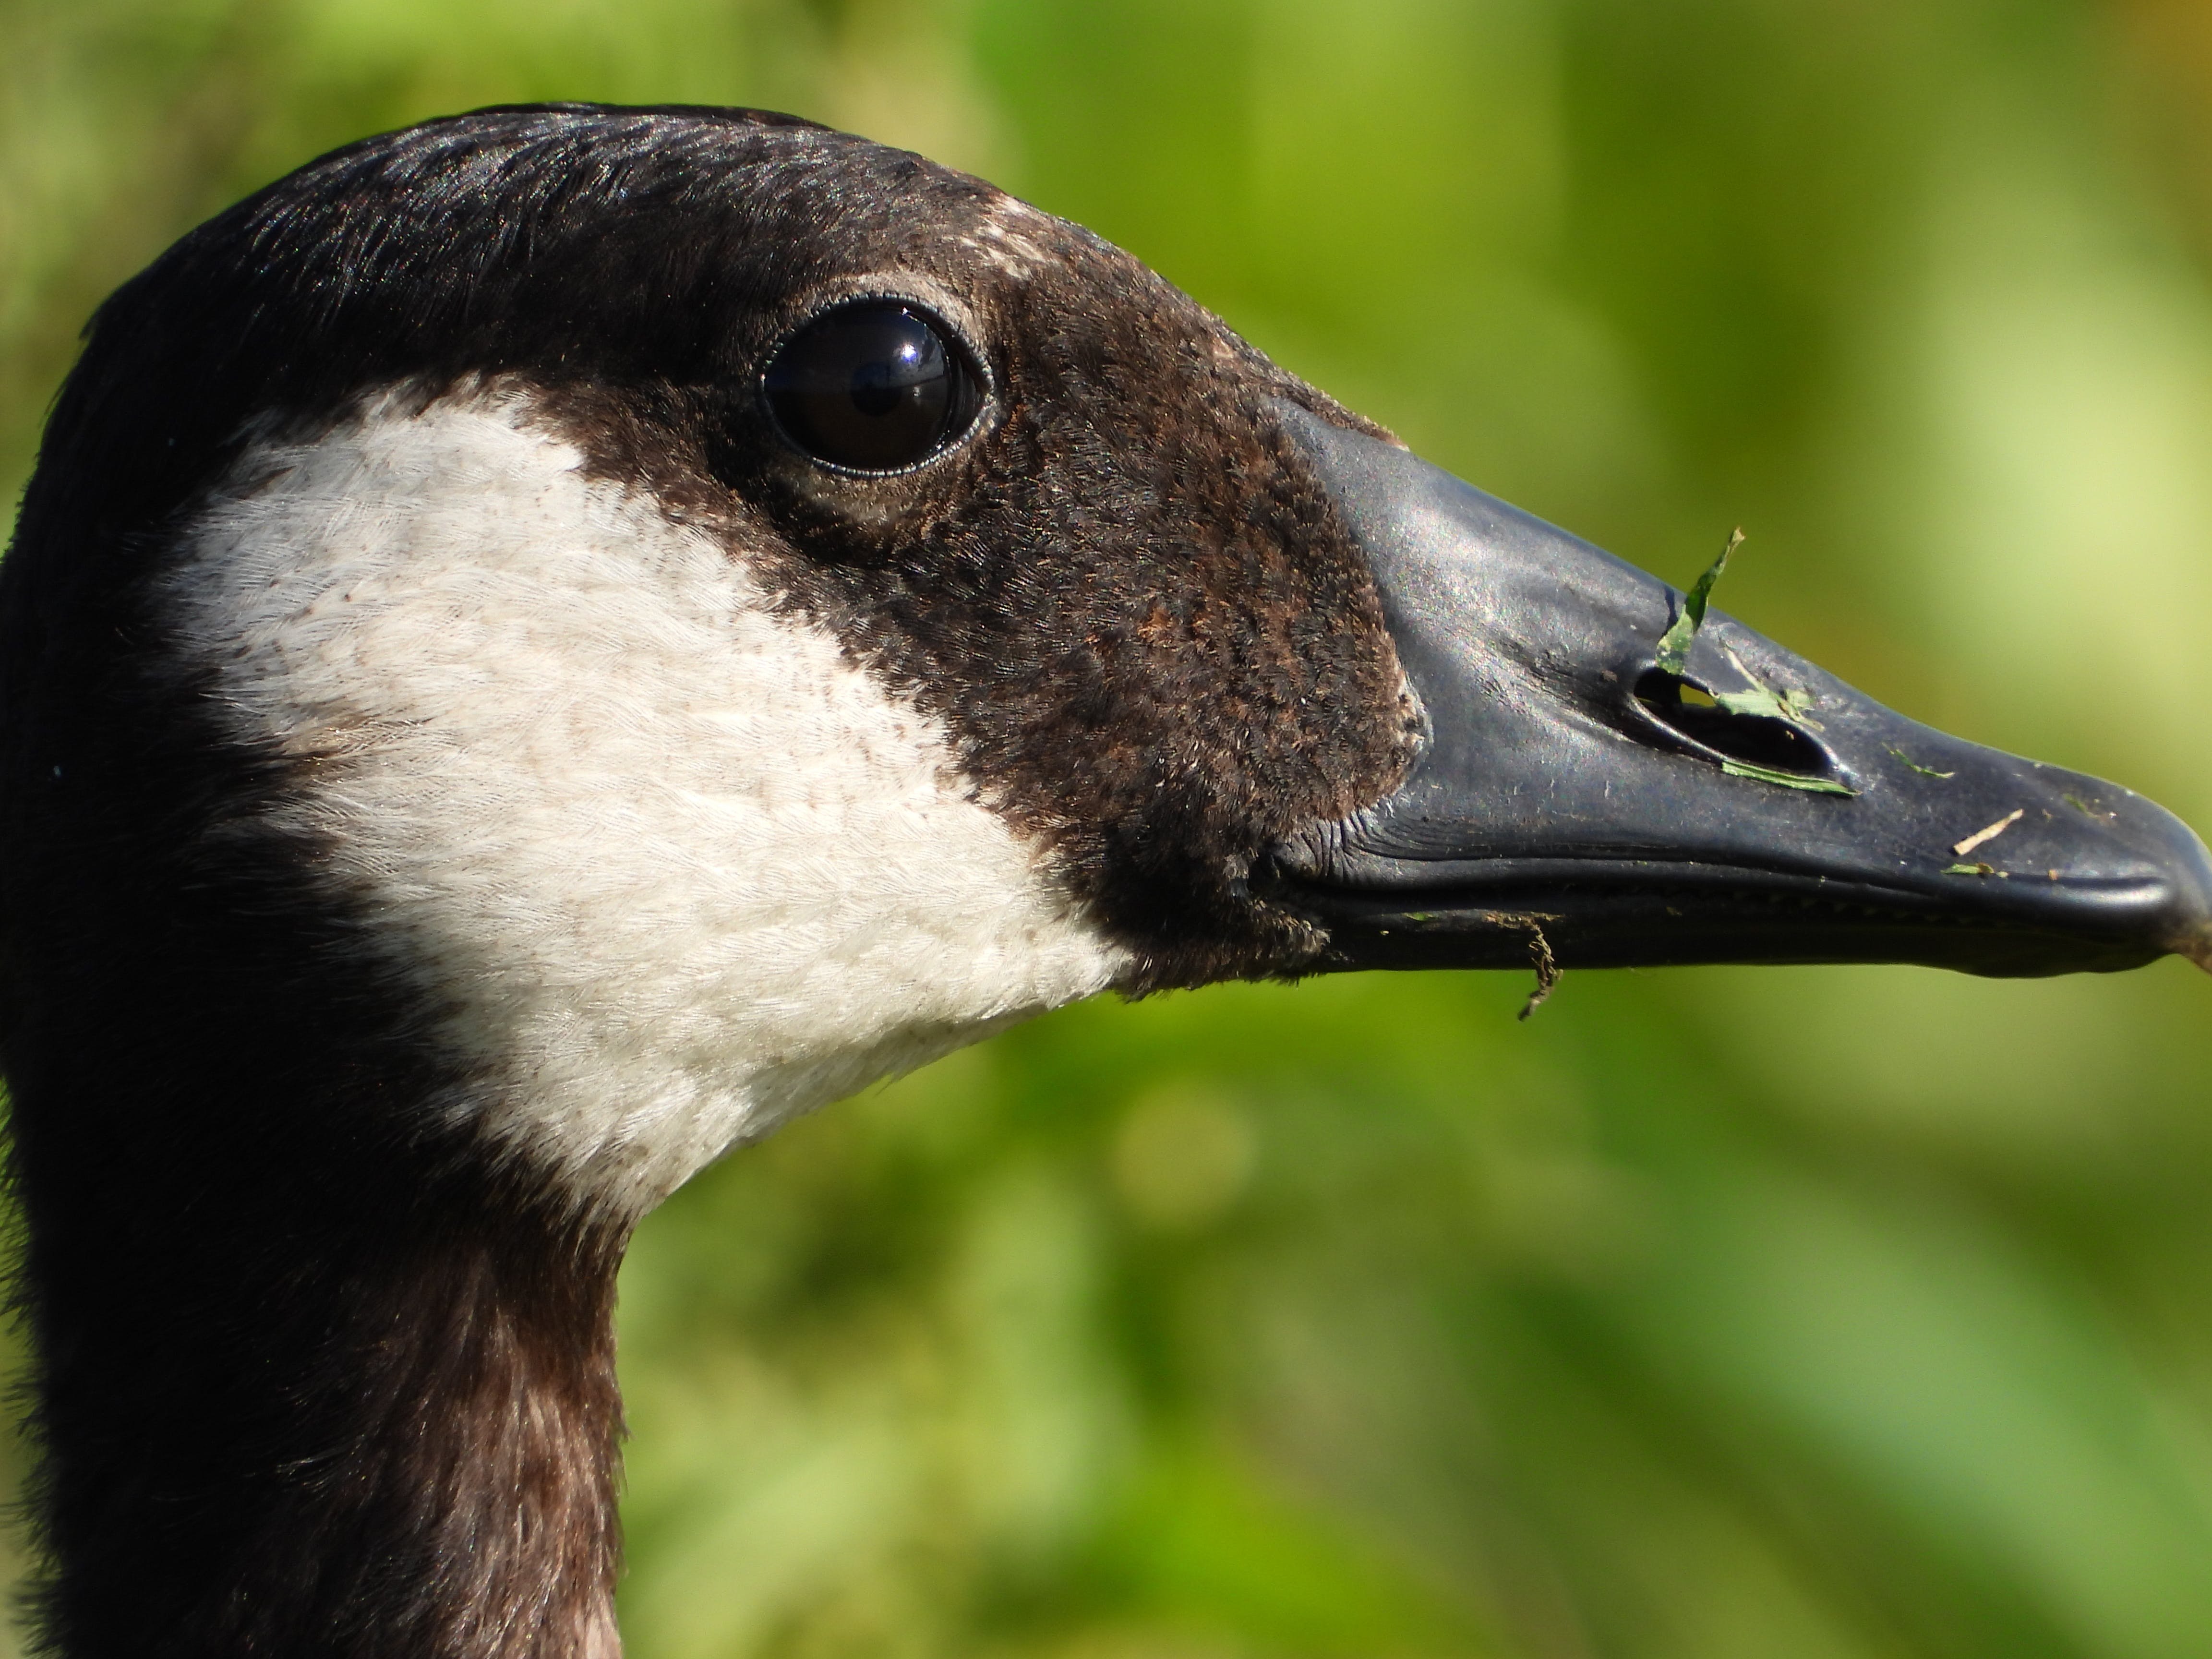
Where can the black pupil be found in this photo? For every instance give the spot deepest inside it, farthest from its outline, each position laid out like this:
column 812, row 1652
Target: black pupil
column 873, row 386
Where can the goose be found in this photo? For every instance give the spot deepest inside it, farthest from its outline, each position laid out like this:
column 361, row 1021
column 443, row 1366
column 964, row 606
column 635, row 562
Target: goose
column 544, row 644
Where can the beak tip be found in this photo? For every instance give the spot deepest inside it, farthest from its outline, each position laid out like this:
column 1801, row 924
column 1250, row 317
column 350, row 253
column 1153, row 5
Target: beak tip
column 2188, row 863
column 2196, row 944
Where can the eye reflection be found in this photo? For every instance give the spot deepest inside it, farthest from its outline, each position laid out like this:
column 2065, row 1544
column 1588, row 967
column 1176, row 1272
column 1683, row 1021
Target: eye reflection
column 874, row 385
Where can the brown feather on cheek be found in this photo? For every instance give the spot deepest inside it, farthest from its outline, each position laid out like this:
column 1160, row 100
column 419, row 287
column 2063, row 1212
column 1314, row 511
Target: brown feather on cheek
column 1136, row 610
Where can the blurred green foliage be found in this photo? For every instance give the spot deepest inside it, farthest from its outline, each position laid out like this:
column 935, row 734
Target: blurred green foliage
column 1719, row 1312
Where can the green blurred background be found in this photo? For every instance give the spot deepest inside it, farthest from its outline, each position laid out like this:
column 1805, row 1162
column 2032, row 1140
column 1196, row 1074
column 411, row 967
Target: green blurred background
column 1708, row 1314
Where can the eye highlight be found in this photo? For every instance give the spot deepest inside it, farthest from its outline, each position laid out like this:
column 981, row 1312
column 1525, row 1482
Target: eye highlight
column 872, row 385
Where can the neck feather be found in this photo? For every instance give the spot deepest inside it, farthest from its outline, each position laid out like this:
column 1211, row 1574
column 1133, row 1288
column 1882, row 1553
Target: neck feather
column 386, row 1424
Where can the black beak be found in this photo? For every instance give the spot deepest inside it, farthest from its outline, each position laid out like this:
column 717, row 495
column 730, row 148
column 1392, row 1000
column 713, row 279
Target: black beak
column 1747, row 808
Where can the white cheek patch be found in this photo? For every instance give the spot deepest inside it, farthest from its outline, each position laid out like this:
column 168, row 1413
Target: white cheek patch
column 677, row 868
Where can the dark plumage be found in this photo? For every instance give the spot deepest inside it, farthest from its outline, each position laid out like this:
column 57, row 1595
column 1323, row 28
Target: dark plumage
column 319, row 1280
column 233, row 1360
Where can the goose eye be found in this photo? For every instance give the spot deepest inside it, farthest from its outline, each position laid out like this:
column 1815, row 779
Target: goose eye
column 872, row 387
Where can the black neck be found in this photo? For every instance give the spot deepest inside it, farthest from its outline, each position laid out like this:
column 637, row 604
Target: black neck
column 385, row 1424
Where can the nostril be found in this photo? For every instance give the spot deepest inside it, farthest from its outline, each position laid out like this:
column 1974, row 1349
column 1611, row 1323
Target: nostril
column 1690, row 711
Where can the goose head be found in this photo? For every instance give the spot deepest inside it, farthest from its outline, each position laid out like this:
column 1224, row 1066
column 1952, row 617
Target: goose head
column 542, row 645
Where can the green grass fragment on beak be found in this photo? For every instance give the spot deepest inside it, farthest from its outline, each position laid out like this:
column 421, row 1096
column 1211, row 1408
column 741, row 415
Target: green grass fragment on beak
column 1674, row 644
column 1737, row 769
column 1794, row 707
column 1925, row 771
